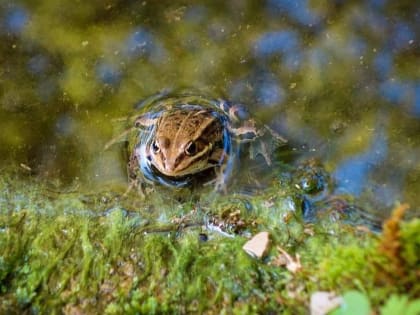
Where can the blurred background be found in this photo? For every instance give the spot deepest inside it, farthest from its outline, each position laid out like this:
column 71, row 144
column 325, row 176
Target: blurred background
column 339, row 79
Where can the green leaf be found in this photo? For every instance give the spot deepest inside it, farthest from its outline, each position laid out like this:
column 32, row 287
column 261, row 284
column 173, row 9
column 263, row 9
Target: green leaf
column 354, row 302
column 400, row 305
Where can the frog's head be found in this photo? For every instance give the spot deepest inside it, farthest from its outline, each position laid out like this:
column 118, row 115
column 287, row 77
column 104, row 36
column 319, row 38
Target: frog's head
column 185, row 142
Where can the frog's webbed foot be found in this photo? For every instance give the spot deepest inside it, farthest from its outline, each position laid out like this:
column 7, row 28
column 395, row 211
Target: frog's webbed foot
column 220, row 184
column 265, row 144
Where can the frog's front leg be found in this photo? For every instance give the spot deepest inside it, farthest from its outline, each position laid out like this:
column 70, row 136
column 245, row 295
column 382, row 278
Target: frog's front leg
column 247, row 132
column 263, row 140
column 134, row 178
column 220, row 159
column 245, row 129
column 221, row 180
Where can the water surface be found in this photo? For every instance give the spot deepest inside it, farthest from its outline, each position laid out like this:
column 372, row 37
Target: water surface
column 339, row 79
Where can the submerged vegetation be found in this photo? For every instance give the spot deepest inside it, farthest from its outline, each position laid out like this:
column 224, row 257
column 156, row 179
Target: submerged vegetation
column 90, row 254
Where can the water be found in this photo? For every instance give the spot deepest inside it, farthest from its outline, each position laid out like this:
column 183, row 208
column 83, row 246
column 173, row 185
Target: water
column 339, row 80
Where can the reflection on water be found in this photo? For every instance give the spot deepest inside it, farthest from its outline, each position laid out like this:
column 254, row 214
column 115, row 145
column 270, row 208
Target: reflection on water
column 15, row 19
column 340, row 78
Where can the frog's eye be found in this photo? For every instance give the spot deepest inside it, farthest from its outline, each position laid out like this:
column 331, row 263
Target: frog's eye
column 155, row 147
column 191, row 148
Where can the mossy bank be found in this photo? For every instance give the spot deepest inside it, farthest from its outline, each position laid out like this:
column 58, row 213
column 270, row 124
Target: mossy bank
column 76, row 253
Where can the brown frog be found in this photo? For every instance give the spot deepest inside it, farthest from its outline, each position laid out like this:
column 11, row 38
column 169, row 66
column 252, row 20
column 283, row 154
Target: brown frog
column 184, row 140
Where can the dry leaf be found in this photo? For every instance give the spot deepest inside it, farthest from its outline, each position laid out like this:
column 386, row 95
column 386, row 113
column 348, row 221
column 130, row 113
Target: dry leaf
column 284, row 259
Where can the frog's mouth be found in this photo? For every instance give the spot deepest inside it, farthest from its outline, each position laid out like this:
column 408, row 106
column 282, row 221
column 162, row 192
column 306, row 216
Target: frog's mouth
column 184, row 171
column 181, row 181
column 153, row 174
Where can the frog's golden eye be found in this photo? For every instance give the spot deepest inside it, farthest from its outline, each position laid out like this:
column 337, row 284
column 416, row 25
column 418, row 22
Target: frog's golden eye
column 191, row 148
column 155, row 147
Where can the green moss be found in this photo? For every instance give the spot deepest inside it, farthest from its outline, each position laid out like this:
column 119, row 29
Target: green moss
column 340, row 265
column 410, row 237
column 62, row 253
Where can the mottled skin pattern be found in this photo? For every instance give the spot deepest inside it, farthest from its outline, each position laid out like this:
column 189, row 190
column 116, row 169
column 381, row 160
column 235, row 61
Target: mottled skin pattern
column 186, row 142
column 180, row 141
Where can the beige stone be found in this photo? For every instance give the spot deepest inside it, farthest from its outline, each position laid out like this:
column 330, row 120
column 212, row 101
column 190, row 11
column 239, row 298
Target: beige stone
column 258, row 245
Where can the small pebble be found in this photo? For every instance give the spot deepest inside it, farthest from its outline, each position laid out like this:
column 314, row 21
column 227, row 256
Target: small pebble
column 324, row 302
column 257, row 246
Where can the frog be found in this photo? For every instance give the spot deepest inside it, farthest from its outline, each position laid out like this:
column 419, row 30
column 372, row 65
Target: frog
column 185, row 140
